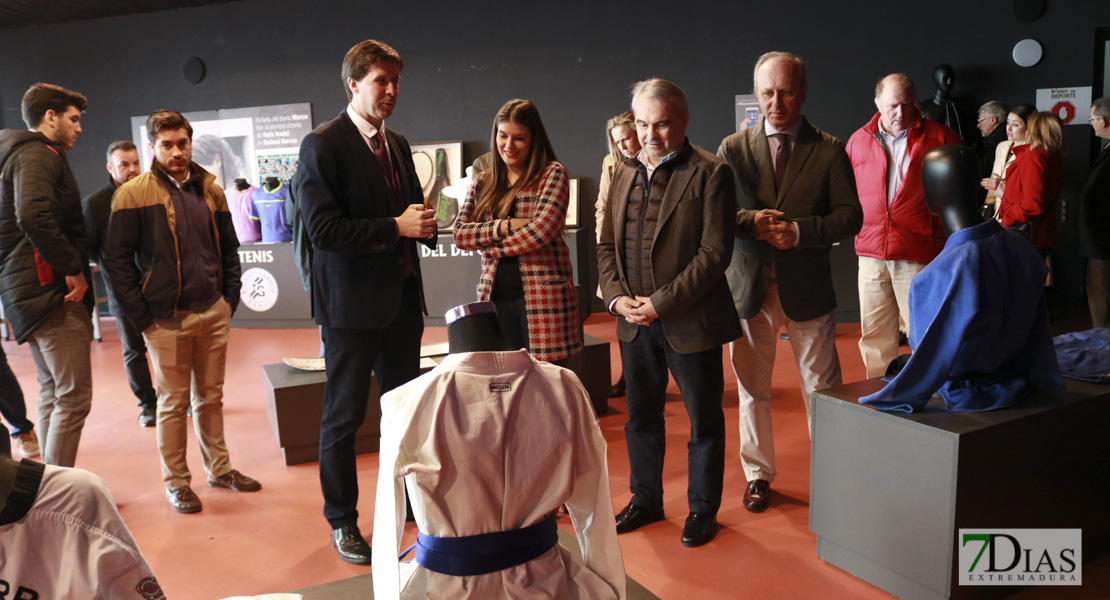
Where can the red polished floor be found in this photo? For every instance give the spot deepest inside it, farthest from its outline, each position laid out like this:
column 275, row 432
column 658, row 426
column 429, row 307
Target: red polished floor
column 277, row 540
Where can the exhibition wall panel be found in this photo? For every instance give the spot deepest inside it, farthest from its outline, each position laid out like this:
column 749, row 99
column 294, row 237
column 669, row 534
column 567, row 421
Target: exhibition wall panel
column 575, row 59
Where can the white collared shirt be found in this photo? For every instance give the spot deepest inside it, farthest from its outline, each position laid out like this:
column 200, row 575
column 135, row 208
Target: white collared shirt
column 367, row 129
column 896, row 163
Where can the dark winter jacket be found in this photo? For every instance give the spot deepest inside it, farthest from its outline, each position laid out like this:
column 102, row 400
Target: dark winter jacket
column 42, row 232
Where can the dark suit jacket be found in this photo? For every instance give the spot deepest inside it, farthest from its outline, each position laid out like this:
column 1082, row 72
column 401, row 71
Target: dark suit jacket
column 97, row 208
column 987, row 147
column 818, row 192
column 1094, row 210
column 348, row 208
column 688, row 255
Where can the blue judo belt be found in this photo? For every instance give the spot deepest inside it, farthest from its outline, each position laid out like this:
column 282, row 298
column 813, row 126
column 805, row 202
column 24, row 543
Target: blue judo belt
column 486, row 552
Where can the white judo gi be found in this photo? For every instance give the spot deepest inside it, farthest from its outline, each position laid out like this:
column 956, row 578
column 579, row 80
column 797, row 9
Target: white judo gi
column 489, row 442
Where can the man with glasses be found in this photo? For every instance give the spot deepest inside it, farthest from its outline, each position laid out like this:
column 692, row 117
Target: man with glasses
column 1094, row 217
column 991, row 123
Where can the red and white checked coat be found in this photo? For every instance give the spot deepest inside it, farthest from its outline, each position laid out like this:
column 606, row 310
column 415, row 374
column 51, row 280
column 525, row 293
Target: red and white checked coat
column 550, row 301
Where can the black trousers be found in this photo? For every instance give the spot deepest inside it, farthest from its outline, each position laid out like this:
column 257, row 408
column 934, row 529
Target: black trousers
column 134, row 354
column 700, row 379
column 513, row 320
column 392, row 354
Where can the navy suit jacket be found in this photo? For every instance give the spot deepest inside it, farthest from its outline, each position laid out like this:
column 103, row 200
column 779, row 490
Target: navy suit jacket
column 347, row 207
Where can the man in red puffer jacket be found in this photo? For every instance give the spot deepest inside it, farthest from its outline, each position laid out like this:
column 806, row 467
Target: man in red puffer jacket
column 899, row 236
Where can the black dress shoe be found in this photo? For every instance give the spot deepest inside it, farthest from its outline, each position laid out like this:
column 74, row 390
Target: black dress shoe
column 699, row 529
column 148, row 416
column 617, row 389
column 757, row 495
column 350, row 545
column 634, row 517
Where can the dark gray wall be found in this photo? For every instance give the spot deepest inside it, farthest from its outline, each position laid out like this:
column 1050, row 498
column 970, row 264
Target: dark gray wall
column 575, row 59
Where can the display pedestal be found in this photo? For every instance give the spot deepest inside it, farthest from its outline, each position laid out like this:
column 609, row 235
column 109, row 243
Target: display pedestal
column 890, row 491
column 295, row 403
column 295, row 399
column 592, row 366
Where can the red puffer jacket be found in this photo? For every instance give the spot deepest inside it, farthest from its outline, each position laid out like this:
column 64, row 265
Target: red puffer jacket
column 1033, row 183
column 902, row 229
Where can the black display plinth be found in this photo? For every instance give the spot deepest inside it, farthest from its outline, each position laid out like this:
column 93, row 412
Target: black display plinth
column 591, row 365
column 295, row 403
column 295, row 399
column 890, row 491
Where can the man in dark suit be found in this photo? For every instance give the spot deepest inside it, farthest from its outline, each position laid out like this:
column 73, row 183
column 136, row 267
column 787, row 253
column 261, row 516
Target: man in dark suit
column 1094, row 219
column 795, row 197
column 671, row 292
column 363, row 209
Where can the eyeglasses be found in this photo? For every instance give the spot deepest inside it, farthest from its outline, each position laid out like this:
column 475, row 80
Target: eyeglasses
column 1092, row 119
column 981, row 119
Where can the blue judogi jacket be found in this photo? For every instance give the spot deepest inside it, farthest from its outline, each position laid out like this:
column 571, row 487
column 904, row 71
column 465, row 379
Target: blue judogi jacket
column 978, row 326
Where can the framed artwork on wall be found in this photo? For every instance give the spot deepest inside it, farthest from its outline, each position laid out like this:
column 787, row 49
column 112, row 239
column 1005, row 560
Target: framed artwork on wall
column 572, row 206
column 439, row 165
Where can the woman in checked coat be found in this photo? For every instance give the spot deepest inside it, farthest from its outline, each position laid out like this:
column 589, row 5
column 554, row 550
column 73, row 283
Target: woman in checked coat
column 514, row 216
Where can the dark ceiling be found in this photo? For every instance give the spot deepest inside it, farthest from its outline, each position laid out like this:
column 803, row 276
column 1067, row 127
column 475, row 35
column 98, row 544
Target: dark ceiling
column 26, row 13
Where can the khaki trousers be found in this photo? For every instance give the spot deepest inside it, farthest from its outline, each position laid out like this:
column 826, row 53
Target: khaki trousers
column 884, row 290
column 753, row 360
column 1098, row 290
column 191, row 349
column 60, row 349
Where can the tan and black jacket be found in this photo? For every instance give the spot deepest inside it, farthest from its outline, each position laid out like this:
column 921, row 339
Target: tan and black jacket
column 141, row 250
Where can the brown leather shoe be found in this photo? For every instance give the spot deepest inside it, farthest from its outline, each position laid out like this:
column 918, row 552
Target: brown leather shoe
column 633, row 517
column 234, row 480
column 757, row 496
column 183, row 500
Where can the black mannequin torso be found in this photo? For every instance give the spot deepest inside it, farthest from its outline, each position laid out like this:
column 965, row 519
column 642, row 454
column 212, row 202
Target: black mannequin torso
column 241, row 184
column 940, row 107
column 271, row 184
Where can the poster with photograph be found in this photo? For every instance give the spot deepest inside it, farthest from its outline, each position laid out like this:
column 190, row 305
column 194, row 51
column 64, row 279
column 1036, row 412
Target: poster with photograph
column 747, row 111
column 241, row 143
column 439, row 165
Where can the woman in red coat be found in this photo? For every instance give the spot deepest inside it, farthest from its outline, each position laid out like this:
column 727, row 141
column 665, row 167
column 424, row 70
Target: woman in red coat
column 514, row 215
column 1034, row 180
